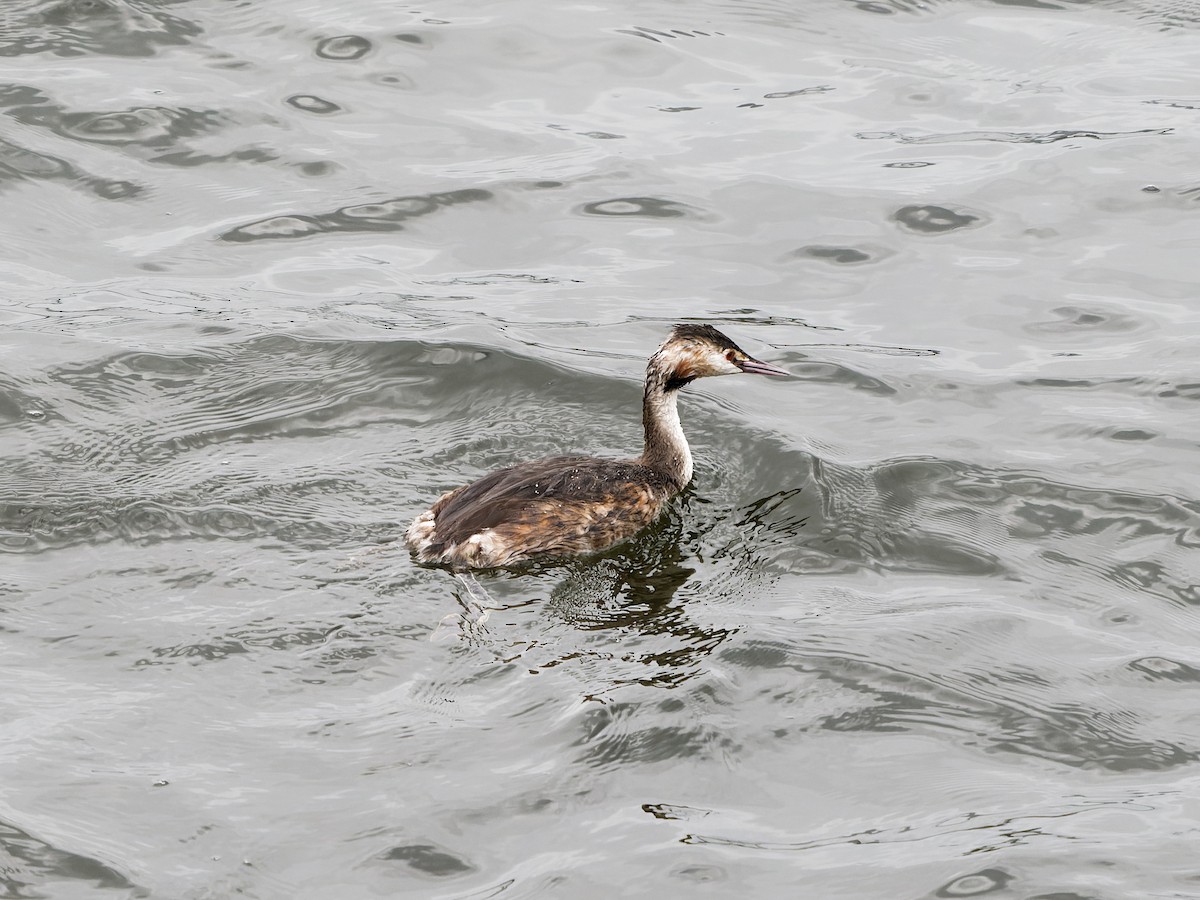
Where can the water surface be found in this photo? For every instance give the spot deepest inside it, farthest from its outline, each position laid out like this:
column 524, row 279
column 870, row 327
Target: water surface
column 276, row 274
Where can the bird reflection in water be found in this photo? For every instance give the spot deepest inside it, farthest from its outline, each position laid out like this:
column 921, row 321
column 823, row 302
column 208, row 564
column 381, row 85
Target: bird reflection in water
column 638, row 588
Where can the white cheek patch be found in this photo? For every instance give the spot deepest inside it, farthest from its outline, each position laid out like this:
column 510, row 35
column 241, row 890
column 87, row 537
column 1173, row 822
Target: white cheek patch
column 720, row 365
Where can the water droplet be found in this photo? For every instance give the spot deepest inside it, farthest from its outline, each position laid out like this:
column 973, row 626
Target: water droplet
column 636, row 206
column 116, row 190
column 344, row 47
column 843, row 255
column 396, row 81
column 933, row 219
column 313, row 104
column 975, row 884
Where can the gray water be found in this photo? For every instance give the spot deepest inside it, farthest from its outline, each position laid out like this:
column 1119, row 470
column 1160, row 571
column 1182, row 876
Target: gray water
column 275, row 274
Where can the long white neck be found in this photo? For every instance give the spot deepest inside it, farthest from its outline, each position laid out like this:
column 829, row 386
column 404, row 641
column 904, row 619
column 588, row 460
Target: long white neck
column 666, row 448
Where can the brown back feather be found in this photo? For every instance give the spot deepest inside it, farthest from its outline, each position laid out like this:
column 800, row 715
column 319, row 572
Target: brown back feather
column 502, row 496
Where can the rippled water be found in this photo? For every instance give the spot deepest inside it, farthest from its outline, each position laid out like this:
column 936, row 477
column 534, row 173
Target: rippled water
column 277, row 273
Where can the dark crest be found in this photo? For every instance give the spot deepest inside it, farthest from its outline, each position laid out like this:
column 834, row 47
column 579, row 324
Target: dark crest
column 705, row 333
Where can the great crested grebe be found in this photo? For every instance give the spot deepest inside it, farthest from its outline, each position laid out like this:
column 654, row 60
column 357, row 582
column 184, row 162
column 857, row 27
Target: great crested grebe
column 568, row 505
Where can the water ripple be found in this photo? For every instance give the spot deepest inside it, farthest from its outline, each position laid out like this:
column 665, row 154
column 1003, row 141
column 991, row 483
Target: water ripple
column 76, row 27
column 930, row 612
column 981, row 711
column 1006, row 137
column 385, row 216
column 20, row 164
column 32, row 864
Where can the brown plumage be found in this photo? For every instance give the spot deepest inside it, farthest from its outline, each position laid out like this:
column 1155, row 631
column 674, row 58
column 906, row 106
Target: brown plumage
column 569, row 505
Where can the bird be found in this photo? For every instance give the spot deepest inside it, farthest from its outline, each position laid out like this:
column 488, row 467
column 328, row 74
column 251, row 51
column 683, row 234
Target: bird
column 568, row 506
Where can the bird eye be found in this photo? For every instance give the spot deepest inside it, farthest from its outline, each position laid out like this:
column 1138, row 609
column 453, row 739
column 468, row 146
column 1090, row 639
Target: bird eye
column 731, row 356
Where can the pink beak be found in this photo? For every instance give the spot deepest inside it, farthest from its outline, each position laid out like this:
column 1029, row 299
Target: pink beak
column 758, row 367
